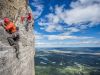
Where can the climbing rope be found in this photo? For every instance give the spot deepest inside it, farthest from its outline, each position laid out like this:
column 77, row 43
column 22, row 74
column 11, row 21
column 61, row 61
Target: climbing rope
column 17, row 15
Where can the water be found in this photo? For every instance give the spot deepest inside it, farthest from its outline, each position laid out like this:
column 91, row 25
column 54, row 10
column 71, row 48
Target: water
column 68, row 61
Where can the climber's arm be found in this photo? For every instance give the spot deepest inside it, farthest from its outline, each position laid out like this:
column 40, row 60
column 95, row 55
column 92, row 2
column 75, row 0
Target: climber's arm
column 1, row 24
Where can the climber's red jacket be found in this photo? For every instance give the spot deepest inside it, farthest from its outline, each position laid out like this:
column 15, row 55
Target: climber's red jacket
column 29, row 17
column 11, row 27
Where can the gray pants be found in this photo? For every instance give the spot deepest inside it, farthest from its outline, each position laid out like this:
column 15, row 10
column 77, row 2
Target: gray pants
column 13, row 41
column 14, row 37
column 27, row 25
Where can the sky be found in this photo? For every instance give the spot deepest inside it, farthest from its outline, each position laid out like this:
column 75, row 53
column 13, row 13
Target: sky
column 66, row 23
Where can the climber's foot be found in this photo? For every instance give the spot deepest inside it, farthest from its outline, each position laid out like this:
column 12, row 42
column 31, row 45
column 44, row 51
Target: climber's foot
column 17, row 55
column 16, row 51
column 16, row 47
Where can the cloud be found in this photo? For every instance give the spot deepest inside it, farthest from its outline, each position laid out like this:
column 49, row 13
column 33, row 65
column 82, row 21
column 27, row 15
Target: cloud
column 86, row 42
column 83, row 14
column 38, row 37
column 38, row 8
column 65, row 41
column 65, row 37
column 61, row 37
column 84, row 3
column 73, row 29
column 53, row 28
column 69, row 44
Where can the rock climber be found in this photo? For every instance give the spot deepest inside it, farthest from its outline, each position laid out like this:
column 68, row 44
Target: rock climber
column 13, row 37
column 28, row 19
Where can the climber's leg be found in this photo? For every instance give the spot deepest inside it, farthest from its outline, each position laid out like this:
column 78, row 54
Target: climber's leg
column 17, row 55
column 16, row 36
column 11, row 41
column 16, row 46
column 26, row 26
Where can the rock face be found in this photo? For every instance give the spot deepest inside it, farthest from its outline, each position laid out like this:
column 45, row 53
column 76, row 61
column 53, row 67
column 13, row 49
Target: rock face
column 9, row 64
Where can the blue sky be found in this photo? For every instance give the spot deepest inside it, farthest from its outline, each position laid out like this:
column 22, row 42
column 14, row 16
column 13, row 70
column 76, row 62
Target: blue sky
column 66, row 23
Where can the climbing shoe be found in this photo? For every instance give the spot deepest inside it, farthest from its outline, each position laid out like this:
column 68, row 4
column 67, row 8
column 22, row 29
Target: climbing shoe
column 17, row 55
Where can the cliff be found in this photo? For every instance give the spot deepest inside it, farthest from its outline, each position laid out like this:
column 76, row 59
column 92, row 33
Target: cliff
column 9, row 64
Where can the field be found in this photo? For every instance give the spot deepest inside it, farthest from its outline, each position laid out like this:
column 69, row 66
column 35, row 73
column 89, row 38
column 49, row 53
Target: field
column 67, row 61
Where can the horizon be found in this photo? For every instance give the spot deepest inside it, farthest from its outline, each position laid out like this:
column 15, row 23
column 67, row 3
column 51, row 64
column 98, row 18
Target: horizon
column 67, row 47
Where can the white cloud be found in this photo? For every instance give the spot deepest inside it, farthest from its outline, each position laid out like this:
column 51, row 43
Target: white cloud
column 83, row 14
column 62, row 37
column 50, row 28
column 86, row 43
column 61, row 41
column 38, row 6
column 53, row 28
column 65, row 37
column 39, row 37
column 37, row 33
column 69, row 44
column 73, row 29
column 52, row 18
column 84, row 3
column 83, row 11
